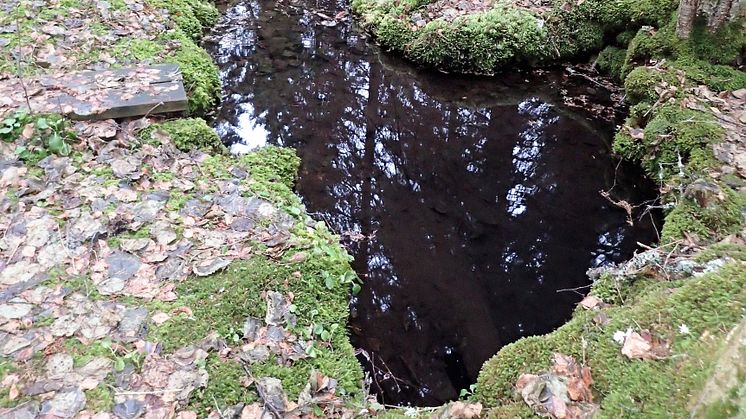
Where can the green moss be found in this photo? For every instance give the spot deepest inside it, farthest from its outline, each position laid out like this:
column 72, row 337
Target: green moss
column 479, row 43
column 191, row 16
column 223, row 387
column 611, row 60
column 188, row 134
column 640, row 84
column 624, row 38
column 572, row 33
column 136, row 50
column 673, row 133
column 719, row 250
column 634, row 388
column 705, row 58
column 716, row 77
column 83, row 354
column 718, row 219
column 200, row 74
column 272, row 173
column 223, row 301
column 623, row 13
column 100, row 399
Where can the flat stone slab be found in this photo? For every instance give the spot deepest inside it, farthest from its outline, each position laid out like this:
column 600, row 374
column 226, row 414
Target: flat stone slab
column 93, row 95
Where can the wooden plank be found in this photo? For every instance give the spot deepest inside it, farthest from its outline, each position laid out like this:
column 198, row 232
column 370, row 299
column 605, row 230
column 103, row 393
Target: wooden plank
column 93, row 95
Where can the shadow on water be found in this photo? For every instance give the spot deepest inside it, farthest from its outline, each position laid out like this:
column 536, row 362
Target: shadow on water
column 468, row 203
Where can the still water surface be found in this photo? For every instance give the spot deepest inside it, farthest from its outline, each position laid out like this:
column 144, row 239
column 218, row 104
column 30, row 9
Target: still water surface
column 468, row 203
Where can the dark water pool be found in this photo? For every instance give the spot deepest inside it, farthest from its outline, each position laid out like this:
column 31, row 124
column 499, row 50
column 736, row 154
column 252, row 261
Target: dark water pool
column 468, row 203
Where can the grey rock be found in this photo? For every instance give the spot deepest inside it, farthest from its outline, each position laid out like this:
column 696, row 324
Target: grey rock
column 242, row 224
column 59, row 364
column 146, row 211
column 209, row 267
column 132, row 326
column 250, row 328
column 170, row 269
column 196, row 208
column 275, row 334
column 705, row 193
column 65, row 403
column 28, row 410
column 41, row 387
column 15, row 310
column 259, row 353
column 111, row 286
column 129, row 409
column 276, row 308
column 122, row 265
column 273, row 393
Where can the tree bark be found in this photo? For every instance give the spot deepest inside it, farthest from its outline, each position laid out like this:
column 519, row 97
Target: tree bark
column 687, row 14
column 720, row 15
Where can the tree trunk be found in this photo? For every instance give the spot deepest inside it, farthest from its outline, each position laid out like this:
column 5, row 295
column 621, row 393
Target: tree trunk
column 687, row 14
column 720, row 15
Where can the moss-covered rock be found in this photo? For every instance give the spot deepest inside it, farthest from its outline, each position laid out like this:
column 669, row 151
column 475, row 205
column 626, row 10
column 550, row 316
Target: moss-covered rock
column 669, row 138
column 708, row 305
column 640, row 85
column 611, row 60
column 177, row 46
column 191, row 16
column 717, row 217
column 706, row 58
column 485, row 42
column 188, row 134
column 201, row 75
column 479, row 43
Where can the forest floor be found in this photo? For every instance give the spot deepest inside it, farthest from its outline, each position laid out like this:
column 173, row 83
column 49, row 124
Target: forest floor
column 141, row 280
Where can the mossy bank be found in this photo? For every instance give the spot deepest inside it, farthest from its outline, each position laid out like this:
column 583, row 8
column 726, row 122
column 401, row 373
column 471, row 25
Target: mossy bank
column 488, row 40
column 672, row 134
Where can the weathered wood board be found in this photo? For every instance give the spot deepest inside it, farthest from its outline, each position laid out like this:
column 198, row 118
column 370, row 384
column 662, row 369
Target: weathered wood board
column 93, row 95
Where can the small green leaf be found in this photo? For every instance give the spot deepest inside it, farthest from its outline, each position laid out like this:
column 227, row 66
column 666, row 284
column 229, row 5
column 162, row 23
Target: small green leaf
column 119, row 364
column 329, row 282
column 42, row 123
column 356, row 288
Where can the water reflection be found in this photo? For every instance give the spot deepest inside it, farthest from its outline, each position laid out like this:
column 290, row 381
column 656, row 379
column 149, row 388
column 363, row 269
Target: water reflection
column 478, row 199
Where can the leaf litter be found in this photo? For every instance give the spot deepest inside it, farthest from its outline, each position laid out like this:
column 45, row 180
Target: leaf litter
column 115, row 231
